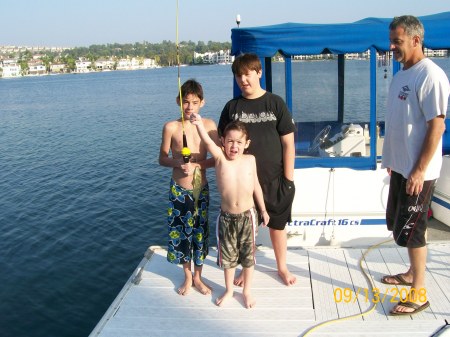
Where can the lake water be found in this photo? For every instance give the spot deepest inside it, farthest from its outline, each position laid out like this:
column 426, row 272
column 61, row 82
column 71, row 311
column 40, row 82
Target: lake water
column 81, row 193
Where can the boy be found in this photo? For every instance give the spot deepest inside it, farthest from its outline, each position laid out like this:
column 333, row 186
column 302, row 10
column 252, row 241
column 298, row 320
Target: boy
column 188, row 212
column 271, row 129
column 239, row 188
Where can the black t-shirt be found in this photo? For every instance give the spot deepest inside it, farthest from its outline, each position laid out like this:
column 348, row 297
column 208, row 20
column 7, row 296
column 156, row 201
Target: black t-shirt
column 266, row 118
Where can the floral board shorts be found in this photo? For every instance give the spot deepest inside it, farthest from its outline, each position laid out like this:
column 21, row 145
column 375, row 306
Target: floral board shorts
column 188, row 226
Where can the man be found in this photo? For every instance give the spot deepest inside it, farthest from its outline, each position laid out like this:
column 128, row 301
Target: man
column 412, row 152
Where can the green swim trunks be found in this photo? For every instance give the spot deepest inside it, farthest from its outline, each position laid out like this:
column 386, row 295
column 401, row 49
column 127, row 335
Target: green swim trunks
column 236, row 239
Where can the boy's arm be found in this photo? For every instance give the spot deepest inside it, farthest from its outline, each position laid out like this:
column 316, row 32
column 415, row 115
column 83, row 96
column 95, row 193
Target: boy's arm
column 212, row 147
column 258, row 196
column 207, row 163
column 164, row 158
column 288, row 144
column 211, row 128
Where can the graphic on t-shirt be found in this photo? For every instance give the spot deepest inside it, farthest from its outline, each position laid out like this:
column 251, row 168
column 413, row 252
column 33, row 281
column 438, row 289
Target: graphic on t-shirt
column 256, row 118
column 403, row 95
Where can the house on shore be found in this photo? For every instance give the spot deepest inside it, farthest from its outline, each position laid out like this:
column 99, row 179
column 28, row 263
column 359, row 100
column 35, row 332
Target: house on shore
column 9, row 68
column 220, row 57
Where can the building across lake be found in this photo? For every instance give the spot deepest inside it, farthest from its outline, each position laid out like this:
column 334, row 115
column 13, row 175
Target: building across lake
column 12, row 67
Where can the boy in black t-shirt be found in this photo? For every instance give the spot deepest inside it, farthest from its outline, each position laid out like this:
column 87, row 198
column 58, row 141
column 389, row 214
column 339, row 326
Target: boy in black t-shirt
column 271, row 128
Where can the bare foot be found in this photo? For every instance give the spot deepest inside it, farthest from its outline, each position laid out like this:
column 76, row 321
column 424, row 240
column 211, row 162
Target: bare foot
column 185, row 287
column 288, row 278
column 249, row 301
column 239, row 281
column 226, row 295
column 202, row 287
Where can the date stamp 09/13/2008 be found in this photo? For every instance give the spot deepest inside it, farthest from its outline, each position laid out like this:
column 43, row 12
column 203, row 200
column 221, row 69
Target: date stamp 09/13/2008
column 394, row 294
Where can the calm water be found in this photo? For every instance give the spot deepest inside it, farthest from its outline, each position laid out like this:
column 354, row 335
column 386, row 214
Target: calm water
column 81, row 192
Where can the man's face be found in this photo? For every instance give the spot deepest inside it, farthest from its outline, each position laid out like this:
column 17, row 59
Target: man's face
column 402, row 45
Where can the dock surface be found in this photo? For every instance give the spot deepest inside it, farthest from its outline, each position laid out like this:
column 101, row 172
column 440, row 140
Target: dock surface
column 331, row 289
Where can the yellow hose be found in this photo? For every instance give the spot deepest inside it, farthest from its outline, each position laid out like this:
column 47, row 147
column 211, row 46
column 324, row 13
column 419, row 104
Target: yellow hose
column 368, row 311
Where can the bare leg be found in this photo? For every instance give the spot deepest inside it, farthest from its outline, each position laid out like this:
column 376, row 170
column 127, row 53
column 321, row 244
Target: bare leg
column 418, row 259
column 249, row 301
column 229, row 274
column 279, row 244
column 186, row 286
column 239, row 281
column 198, row 283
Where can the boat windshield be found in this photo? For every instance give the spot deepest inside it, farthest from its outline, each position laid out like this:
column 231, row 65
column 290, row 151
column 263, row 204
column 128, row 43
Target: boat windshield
column 330, row 100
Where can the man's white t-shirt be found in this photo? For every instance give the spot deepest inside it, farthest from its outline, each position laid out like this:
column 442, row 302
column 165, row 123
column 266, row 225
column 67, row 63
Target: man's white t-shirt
column 416, row 96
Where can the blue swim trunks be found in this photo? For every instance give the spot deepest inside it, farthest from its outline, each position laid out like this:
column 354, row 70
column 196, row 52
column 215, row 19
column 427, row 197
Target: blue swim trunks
column 188, row 228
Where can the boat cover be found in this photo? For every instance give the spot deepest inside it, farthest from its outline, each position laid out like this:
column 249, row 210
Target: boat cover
column 339, row 38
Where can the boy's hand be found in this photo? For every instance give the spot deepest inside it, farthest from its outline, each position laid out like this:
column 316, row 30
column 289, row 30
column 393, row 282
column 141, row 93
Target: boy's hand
column 265, row 217
column 196, row 119
column 188, row 168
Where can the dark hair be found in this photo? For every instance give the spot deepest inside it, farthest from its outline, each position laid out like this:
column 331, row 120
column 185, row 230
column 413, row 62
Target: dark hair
column 246, row 62
column 235, row 125
column 191, row 87
column 410, row 24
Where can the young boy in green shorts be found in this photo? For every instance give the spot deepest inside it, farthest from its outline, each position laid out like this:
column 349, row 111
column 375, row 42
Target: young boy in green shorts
column 238, row 184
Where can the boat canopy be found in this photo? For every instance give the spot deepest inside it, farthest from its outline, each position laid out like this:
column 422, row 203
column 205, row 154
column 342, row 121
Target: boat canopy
column 338, row 102
column 340, row 38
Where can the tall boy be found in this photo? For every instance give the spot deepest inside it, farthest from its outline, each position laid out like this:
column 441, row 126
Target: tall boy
column 188, row 212
column 271, row 129
column 238, row 184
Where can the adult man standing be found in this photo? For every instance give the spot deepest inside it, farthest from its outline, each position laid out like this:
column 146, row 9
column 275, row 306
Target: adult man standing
column 416, row 108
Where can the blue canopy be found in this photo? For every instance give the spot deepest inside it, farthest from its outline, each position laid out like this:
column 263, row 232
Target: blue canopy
column 309, row 39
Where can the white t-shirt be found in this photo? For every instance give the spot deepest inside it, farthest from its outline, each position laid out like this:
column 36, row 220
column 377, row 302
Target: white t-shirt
column 416, row 96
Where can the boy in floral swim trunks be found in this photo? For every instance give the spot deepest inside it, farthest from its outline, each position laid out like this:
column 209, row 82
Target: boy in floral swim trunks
column 239, row 188
column 188, row 225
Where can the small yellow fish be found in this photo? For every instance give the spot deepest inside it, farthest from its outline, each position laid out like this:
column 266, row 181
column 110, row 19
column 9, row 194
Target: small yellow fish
column 197, row 187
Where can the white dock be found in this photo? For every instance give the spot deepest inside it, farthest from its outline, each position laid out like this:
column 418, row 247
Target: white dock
column 149, row 305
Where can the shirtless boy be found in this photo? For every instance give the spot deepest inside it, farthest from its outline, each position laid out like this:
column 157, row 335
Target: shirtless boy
column 239, row 188
column 188, row 225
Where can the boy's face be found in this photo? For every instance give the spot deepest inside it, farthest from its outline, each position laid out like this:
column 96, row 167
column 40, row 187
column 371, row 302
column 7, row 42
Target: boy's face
column 248, row 82
column 234, row 144
column 191, row 104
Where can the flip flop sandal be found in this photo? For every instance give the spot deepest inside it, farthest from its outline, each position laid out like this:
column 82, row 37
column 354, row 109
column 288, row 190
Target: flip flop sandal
column 417, row 308
column 399, row 278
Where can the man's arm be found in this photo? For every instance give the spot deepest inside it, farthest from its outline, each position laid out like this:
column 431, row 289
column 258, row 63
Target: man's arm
column 436, row 128
column 288, row 155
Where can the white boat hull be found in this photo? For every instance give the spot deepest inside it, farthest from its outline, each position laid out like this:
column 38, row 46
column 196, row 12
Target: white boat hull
column 440, row 204
column 347, row 208
column 340, row 206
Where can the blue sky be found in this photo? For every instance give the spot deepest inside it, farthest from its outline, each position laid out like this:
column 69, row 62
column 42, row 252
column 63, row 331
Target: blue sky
column 86, row 22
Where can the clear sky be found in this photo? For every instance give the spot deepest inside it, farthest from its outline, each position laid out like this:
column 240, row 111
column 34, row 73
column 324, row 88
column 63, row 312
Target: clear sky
column 80, row 23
